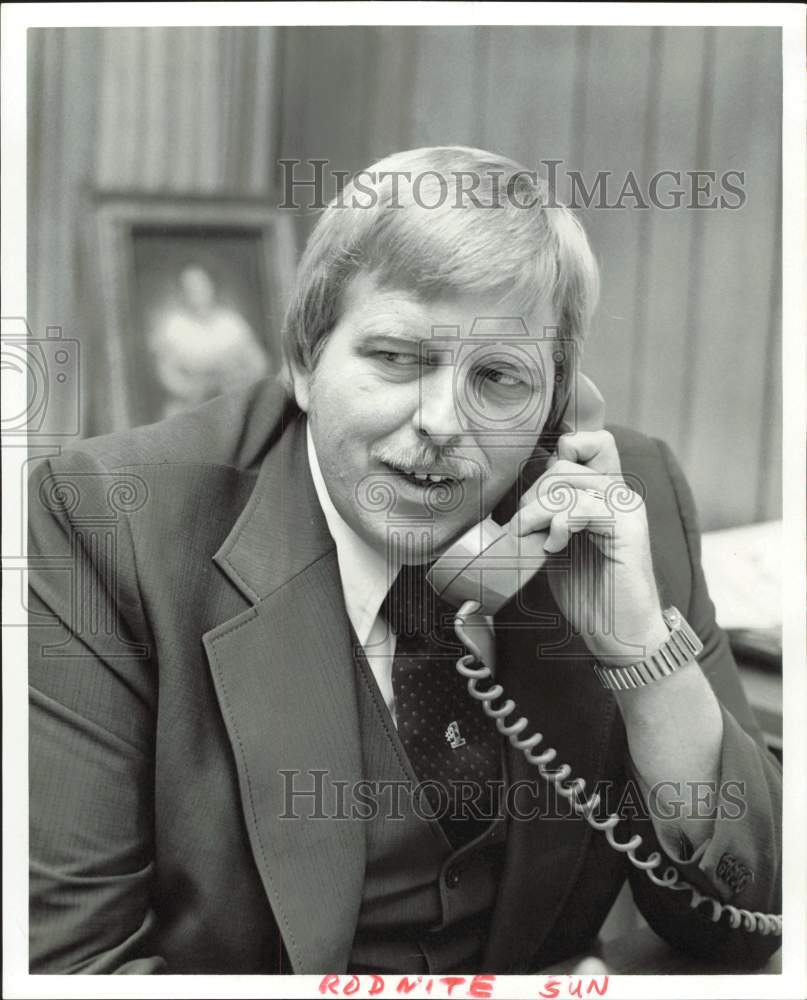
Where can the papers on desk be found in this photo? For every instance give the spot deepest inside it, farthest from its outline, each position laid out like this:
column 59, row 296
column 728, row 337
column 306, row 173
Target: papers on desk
column 743, row 570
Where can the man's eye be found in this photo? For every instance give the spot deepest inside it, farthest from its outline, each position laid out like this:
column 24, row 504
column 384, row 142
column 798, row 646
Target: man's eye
column 504, row 379
column 398, row 358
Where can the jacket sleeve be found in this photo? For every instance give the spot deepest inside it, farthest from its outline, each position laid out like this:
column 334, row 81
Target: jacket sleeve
column 92, row 701
column 740, row 865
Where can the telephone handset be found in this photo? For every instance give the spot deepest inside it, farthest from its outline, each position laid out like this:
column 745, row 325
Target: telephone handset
column 489, row 564
column 480, row 573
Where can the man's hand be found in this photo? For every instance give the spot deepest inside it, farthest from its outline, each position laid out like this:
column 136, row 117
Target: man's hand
column 609, row 593
column 674, row 727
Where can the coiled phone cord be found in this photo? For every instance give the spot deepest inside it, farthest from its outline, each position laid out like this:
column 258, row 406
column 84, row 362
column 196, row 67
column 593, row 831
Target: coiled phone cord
column 763, row 923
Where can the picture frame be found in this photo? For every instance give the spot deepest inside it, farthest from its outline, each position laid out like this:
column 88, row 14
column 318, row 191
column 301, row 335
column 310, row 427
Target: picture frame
column 189, row 296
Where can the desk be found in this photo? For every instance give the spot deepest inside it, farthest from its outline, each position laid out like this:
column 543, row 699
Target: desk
column 642, row 952
column 743, row 568
column 763, row 689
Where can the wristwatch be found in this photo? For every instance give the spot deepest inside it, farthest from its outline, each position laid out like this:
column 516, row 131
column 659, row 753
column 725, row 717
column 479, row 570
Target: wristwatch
column 681, row 647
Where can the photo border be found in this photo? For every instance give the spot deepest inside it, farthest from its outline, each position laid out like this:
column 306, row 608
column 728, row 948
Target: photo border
column 792, row 982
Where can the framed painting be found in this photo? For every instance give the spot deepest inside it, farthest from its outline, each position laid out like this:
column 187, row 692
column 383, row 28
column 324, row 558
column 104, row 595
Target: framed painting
column 190, row 294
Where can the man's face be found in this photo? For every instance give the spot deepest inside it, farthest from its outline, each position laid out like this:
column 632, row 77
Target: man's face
column 417, row 427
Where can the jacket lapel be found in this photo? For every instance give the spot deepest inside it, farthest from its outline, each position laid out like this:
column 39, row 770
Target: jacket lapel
column 284, row 677
column 543, row 853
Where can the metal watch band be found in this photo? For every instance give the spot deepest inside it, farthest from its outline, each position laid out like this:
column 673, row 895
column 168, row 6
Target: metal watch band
column 681, row 647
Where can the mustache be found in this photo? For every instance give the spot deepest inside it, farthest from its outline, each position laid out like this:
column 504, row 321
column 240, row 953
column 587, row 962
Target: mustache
column 429, row 457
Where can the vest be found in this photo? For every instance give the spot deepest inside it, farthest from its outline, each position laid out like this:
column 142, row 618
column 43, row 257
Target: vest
column 426, row 906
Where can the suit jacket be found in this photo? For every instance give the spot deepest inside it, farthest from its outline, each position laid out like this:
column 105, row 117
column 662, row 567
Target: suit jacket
column 189, row 642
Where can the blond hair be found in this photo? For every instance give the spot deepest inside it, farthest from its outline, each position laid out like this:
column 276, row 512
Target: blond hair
column 444, row 221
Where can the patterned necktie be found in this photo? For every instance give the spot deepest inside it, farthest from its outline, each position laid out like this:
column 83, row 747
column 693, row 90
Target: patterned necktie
column 454, row 749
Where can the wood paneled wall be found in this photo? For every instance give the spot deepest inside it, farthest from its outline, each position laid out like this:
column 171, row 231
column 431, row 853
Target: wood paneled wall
column 162, row 110
column 686, row 340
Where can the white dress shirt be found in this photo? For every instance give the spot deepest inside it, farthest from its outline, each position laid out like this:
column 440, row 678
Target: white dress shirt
column 366, row 577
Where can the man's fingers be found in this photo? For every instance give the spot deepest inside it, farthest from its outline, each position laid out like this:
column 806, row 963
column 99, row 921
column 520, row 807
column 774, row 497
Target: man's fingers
column 595, row 448
column 582, row 510
column 559, row 534
column 533, row 516
column 562, row 528
column 564, row 476
column 555, row 489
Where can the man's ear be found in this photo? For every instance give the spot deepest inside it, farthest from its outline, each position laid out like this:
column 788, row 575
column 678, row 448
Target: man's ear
column 299, row 381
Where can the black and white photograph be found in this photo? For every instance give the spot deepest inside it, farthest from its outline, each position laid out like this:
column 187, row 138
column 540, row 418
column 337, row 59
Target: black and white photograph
column 404, row 547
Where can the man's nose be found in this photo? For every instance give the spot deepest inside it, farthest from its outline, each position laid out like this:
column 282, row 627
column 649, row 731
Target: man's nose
column 439, row 414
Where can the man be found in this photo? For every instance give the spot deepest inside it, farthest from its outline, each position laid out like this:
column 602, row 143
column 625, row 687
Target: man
column 244, row 663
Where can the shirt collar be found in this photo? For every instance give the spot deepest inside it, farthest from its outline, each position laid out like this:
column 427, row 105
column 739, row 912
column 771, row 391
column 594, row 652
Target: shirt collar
column 365, row 572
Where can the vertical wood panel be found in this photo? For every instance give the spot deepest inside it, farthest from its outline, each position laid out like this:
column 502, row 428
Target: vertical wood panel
column 244, row 112
column 44, row 156
column 390, row 122
column 58, row 299
column 111, row 70
column 734, row 319
column 61, row 152
column 328, row 104
column 659, row 386
column 138, row 62
column 235, row 128
column 224, row 96
column 295, row 96
column 157, row 96
column 208, row 121
column 638, row 350
column 77, row 126
column 181, row 153
column 769, row 490
column 443, row 108
column 578, row 95
column 697, row 249
column 530, row 74
column 263, row 81
column 128, row 118
column 614, row 137
column 336, row 96
column 169, row 154
column 181, row 107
